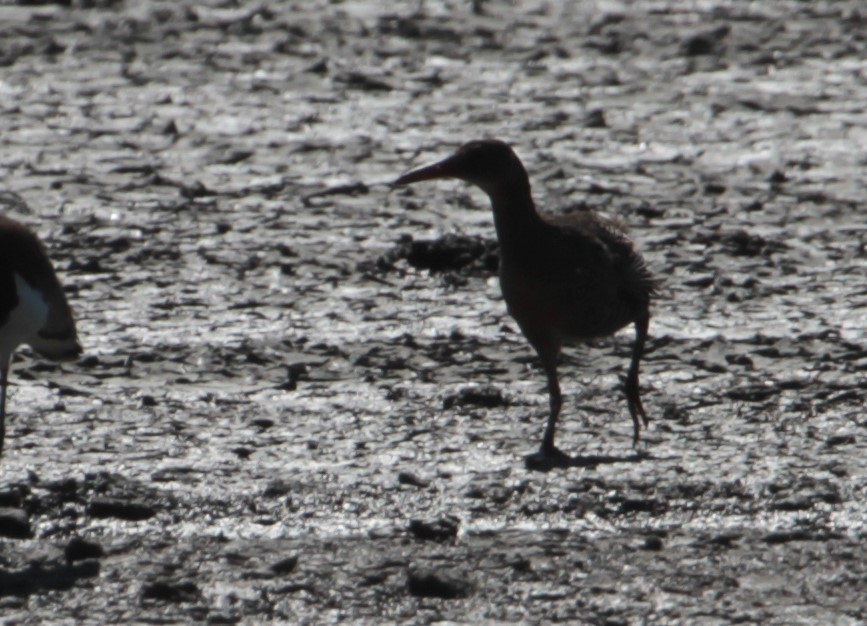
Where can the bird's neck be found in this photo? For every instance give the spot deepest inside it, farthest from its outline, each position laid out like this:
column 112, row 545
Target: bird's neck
column 515, row 216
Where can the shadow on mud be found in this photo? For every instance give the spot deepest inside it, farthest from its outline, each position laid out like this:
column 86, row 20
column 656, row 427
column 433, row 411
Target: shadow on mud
column 538, row 462
column 36, row 578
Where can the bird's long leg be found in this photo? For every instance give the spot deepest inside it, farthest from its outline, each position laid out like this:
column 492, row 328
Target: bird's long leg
column 633, row 394
column 556, row 402
column 4, row 376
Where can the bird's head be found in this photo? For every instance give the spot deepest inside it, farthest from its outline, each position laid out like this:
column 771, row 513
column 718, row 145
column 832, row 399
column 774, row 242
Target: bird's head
column 488, row 163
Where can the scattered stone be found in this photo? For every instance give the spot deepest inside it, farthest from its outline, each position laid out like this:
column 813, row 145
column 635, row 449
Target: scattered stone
column 147, row 401
column 787, row 536
column 170, row 128
column 285, row 566
column 520, row 564
column 79, row 549
column 14, row 524
column 705, row 43
column 358, row 80
column 444, row 529
column 277, row 489
column 652, row 543
column 486, row 397
column 725, row 540
column 777, row 178
column 242, row 453
column 130, row 511
column 171, row 591
column 10, row 498
column 405, row 478
column 430, row 584
column 840, row 440
column 67, row 487
column 595, row 118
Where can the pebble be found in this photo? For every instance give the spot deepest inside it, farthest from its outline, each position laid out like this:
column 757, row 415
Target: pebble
column 79, row 549
column 171, row 591
column 15, row 524
column 430, row 584
column 444, row 529
column 130, row 511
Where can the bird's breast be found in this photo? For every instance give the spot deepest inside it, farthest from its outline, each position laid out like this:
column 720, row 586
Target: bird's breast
column 531, row 302
column 25, row 319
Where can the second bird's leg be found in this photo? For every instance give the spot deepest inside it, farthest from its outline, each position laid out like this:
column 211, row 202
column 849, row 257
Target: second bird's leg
column 4, row 376
column 633, row 393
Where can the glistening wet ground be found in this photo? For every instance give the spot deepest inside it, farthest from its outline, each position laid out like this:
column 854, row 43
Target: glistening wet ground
column 302, row 400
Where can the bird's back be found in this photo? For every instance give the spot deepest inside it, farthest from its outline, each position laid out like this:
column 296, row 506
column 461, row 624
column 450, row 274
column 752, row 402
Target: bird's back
column 580, row 276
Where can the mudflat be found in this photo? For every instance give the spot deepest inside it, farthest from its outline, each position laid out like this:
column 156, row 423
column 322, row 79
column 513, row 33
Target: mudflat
column 302, row 400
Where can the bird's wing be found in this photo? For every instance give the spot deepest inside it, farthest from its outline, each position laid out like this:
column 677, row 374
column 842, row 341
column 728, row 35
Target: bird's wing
column 22, row 253
column 8, row 291
column 8, row 295
column 608, row 283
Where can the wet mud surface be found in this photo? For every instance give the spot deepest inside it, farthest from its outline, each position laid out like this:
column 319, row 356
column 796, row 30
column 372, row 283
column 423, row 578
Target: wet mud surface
column 301, row 398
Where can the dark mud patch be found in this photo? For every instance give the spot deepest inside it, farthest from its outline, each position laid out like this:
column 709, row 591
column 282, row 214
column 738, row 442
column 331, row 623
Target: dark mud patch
column 451, row 254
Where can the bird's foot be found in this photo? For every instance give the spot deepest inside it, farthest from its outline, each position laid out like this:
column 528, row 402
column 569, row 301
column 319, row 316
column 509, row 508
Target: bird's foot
column 548, row 458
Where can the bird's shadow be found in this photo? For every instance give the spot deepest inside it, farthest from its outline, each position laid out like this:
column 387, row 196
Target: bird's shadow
column 542, row 462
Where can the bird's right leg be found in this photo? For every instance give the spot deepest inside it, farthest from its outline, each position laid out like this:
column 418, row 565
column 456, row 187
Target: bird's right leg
column 555, row 399
column 633, row 393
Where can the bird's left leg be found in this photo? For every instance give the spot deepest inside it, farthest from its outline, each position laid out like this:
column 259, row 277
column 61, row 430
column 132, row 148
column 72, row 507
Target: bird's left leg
column 633, row 394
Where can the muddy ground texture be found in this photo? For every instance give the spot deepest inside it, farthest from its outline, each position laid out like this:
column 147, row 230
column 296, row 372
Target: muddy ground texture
column 302, row 399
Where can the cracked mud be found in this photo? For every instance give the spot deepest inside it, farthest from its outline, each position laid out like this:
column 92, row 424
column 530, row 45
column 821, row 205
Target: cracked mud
column 301, row 398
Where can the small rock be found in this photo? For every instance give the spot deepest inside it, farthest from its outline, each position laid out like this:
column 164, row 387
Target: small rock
column 170, row 591
column 285, row 566
column 595, row 118
column 444, row 529
column 405, row 478
column 429, row 584
column 777, row 178
column 79, row 549
column 652, row 543
column 277, row 489
column 67, row 487
column 130, row 511
column 724, row 540
column 840, row 440
column 705, row 43
column 487, row 397
column 242, row 452
column 14, row 524
column 147, row 400
column 10, row 498
column 775, row 538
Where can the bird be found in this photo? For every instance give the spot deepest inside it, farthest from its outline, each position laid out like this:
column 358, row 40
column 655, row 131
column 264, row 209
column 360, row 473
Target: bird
column 33, row 307
column 565, row 279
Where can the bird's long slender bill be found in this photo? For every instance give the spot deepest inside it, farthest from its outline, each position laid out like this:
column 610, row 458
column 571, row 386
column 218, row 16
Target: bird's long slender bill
column 442, row 169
